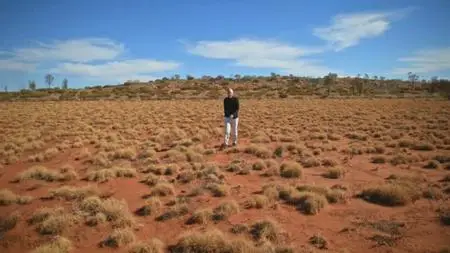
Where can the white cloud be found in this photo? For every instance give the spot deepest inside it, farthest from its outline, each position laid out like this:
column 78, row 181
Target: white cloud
column 77, row 50
column 247, row 48
column 262, row 54
column 347, row 30
column 426, row 61
column 13, row 65
column 89, row 58
column 117, row 70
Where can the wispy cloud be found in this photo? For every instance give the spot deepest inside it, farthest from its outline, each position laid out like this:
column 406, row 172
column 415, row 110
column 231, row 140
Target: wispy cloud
column 91, row 58
column 76, row 50
column 347, row 30
column 249, row 48
column 117, row 70
column 14, row 65
column 426, row 61
column 261, row 54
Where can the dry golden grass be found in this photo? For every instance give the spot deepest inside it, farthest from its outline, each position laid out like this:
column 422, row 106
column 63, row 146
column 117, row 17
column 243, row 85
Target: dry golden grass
column 44, row 174
column 151, row 206
column 119, row 237
column 389, row 195
column 115, row 211
column 177, row 157
column 266, row 230
column 225, row 210
column 214, row 240
column 291, row 170
column 57, row 245
column 74, row 193
column 53, row 221
column 162, row 189
column 201, row 216
column 178, row 210
column 334, row 173
column 7, row 197
column 9, row 222
column 154, row 245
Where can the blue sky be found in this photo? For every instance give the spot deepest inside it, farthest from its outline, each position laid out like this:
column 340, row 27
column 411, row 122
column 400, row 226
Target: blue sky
column 108, row 42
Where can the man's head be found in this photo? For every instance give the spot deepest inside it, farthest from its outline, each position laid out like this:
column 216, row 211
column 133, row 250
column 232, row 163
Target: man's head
column 230, row 92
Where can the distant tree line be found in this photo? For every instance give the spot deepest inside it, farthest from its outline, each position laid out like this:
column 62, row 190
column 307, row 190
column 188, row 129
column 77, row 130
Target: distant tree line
column 49, row 78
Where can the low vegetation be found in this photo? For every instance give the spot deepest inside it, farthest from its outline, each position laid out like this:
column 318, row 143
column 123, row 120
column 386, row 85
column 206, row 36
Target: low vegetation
column 136, row 170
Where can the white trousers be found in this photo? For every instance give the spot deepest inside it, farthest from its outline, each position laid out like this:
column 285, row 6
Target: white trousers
column 231, row 125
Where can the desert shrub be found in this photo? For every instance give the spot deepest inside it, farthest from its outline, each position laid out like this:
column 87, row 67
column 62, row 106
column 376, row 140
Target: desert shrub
column 423, row 146
column 334, row 173
column 234, row 167
column 291, row 170
column 444, row 215
column 152, row 246
column 201, row 217
column 259, row 151
column 186, row 176
column 257, row 201
column 357, row 136
column 152, row 180
column 225, row 209
column 58, row 245
column 266, row 230
column 310, row 162
column 56, row 224
column 162, row 189
column 389, row 195
column 308, row 202
column 125, row 153
column 119, row 238
column 259, row 165
column 171, row 169
column 193, row 156
column 177, row 210
column 218, row 190
column 7, row 197
column 116, row 211
column 94, row 220
column 175, row 156
column 9, row 222
column 278, row 151
column 271, row 192
column 333, row 137
column 433, row 193
column 152, row 205
column 39, row 173
column 210, row 241
column 72, row 193
column 331, row 195
column 102, row 175
column 432, row 165
column 378, row 159
column 239, row 228
column 319, row 242
column 328, row 162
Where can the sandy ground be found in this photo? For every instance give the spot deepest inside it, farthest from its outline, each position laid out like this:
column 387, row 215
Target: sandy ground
column 349, row 133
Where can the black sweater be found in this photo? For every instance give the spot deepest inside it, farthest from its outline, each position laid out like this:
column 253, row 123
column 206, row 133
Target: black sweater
column 231, row 106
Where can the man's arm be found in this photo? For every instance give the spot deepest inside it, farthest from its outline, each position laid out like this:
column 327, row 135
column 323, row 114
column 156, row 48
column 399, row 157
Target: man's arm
column 224, row 106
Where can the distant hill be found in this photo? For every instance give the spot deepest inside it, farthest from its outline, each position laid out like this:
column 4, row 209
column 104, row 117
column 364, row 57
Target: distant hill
column 274, row 86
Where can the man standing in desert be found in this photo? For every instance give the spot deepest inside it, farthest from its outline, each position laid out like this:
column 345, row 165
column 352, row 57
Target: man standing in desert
column 231, row 113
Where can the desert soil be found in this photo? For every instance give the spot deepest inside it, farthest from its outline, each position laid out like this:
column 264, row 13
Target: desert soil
column 363, row 175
